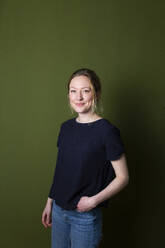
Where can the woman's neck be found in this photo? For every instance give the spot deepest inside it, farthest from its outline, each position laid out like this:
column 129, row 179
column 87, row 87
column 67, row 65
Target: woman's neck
column 87, row 117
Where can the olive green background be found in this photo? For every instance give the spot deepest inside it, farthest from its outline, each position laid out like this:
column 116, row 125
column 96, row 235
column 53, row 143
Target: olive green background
column 41, row 44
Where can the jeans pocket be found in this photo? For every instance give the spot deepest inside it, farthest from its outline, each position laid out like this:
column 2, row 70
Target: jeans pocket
column 91, row 214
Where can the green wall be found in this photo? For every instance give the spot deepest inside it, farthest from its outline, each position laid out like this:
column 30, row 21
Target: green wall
column 41, row 44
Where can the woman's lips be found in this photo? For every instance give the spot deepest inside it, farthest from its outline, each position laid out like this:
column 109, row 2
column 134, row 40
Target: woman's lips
column 79, row 104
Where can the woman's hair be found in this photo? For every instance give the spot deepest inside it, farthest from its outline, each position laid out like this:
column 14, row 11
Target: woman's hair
column 95, row 83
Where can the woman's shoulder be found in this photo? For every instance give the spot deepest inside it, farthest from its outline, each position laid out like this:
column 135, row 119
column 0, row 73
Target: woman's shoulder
column 67, row 122
column 108, row 124
column 109, row 128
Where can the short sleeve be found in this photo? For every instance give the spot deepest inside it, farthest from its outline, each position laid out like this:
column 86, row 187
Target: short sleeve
column 114, row 145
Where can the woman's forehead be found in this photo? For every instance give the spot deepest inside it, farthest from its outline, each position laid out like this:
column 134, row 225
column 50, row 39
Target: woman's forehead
column 80, row 82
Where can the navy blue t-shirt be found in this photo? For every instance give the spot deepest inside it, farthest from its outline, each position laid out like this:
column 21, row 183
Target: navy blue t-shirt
column 83, row 166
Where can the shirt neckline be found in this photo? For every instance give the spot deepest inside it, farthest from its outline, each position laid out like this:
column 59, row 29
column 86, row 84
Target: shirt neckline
column 87, row 123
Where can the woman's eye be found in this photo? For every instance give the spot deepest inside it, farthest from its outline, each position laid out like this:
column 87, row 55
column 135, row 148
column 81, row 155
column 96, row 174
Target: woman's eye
column 86, row 91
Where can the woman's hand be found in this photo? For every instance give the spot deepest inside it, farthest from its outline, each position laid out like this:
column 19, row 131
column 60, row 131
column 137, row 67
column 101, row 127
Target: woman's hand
column 46, row 215
column 86, row 203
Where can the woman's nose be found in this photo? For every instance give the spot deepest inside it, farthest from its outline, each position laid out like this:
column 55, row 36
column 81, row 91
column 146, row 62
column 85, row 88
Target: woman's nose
column 79, row 95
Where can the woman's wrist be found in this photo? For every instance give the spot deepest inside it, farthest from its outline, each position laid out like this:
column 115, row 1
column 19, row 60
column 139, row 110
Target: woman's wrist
column 49, row 201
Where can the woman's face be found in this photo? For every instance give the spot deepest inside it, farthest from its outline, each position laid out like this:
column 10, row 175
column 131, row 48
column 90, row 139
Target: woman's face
column 81, row 94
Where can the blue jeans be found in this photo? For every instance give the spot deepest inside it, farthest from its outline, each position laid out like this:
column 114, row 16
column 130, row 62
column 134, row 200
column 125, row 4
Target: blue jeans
column 73, row 229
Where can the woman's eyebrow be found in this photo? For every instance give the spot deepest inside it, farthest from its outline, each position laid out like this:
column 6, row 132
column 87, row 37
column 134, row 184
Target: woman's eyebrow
column 81, row 88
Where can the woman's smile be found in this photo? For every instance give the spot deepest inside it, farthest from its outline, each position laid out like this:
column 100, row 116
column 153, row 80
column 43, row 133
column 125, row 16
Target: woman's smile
column 80, row 104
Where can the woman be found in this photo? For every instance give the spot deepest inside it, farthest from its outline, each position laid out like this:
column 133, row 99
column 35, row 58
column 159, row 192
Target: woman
column 91, row 167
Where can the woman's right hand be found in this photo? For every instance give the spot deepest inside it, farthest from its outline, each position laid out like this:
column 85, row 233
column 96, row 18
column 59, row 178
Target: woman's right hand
column 46, row 215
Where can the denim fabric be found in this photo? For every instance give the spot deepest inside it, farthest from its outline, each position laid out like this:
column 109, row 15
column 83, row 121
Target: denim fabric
column 74, row 229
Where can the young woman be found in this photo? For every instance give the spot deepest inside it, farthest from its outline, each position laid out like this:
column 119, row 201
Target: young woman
column 91, row 167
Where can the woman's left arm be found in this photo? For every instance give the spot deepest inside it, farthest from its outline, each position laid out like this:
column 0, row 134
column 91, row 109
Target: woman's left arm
column 120, row 181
